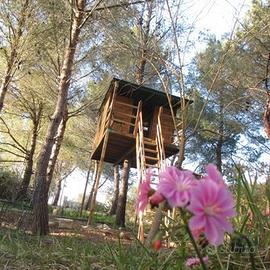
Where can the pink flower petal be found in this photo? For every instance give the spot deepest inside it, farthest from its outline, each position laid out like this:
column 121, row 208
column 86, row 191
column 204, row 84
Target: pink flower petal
column 212, row 205
column 175, row 184
column 197, row 223
column 214, row 174
column 213, row 234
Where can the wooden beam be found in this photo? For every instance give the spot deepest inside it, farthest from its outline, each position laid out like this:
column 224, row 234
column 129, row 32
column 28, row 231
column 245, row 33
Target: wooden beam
column 126, row 104
column 122, row 121
column 99, row 171
column 125, row 155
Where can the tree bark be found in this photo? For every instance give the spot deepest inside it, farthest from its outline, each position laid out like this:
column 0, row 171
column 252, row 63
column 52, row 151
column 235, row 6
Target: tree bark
column 219, row 153
column 116, row 191
column 40, row 197
column 12, row 61
column 56, row 149
column 154, row 226
column 220, row 137
column 58, row 192
column 59, row 186
column 266, row 114
column 140, row 74
column 85, row 188
column 22, row 194
column 122, row 200
column 94, row 177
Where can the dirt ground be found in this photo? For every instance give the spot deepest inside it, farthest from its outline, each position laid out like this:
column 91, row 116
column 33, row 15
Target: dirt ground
column 13, row 219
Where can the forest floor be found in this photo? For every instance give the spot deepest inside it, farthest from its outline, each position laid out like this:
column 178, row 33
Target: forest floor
column 70, row 245
column 61, row 226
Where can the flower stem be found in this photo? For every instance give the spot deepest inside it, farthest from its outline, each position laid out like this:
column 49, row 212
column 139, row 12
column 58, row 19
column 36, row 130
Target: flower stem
column 204, row 267
column 219, row 260
column 196, row 248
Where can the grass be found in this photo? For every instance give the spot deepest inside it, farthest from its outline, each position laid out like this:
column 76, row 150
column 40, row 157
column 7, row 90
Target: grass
column 21, row 251
column 247, row 248
column 97, row 218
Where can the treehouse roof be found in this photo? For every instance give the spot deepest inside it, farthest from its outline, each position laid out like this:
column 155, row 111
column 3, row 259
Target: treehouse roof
column 143, row 93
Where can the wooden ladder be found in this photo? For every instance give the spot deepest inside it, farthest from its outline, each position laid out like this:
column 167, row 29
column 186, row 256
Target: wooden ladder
column 152, row 160
column 150, row 154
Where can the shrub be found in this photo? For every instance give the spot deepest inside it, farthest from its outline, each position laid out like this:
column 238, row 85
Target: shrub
column 8, row 183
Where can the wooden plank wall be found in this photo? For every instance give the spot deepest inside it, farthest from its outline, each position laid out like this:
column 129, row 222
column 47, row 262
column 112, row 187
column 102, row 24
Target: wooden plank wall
column 122, row 112
column 167, row 125
column 101, row 122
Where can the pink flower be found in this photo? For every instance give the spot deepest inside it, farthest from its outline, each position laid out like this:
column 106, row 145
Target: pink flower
column 144, row 189
column 195, row 261
column 156, row 199
column 175, row 186
column 212, row 205
column 214, row 174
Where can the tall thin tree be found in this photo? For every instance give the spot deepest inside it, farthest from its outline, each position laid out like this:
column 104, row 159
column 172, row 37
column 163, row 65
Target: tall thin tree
column 40, row 197
column 113, row 208
column 16, row 25
column 121, row 206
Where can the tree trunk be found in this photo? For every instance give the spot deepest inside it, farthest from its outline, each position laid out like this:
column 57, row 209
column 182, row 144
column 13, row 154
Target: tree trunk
column 116, row 191
column 122, row 200
column 219, row 153
column 220, row 138
column 85, row 188
column 12, row 61
column 22, row 194
column 154, row 226
column 56, row 149
column 58, row 192
column 5, row 83
column 145, row 30
column 94, row 179
column 40, row 197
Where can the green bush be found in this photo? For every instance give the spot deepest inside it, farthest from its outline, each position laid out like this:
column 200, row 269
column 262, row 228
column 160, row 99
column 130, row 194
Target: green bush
column 8, row 184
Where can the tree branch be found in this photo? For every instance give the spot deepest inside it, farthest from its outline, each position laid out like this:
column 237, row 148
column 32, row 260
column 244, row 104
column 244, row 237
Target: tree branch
column 266, row 115
column 10, row 152
column 14, row 146
column 12, row 137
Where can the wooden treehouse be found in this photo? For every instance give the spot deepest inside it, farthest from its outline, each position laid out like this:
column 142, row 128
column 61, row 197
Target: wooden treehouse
column 135, row 124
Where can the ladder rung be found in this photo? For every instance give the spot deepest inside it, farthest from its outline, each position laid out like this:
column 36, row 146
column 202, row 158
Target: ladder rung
column 126, row 104
column 150, row 150
column 150, row 143
column 152, row 158
column 150, row 165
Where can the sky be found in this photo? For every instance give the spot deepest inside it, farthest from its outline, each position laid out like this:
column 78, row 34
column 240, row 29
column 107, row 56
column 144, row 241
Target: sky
column 216, row 16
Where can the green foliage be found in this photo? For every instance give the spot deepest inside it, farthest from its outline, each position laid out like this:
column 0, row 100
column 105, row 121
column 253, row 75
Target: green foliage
column 228, row 79
column 8, row 180
column 99, row 217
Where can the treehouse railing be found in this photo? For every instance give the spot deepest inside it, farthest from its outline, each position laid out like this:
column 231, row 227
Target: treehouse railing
column 140, row 153
column 140, row 160
column 105, row 120
column 144, row 161
column 160, row 143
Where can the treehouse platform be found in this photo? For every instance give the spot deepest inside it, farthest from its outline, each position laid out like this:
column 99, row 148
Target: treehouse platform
column 136, row 123
column 121, row 147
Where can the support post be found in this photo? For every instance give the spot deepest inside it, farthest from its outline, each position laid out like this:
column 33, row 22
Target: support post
column 85, row 188
column 99, row 171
